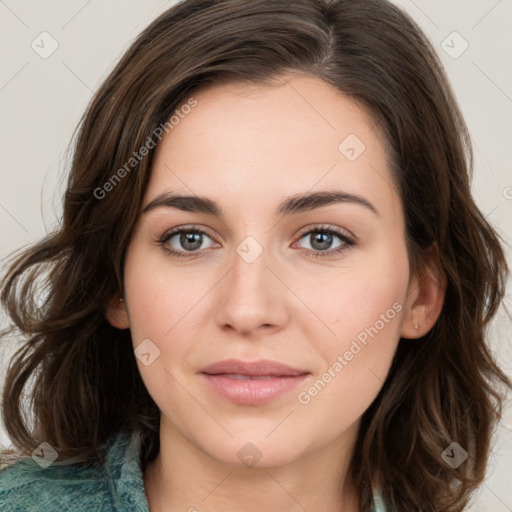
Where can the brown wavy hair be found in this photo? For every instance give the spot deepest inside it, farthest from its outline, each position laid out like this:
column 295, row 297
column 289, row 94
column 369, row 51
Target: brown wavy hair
column 446, row 387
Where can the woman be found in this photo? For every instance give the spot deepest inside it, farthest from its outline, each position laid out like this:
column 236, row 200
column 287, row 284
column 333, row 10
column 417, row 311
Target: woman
column 271, row 283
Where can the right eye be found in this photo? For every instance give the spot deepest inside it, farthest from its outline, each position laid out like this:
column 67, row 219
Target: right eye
column 191, row 239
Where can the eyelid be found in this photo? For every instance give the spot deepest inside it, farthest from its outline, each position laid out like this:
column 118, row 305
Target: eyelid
column 327, row 227
column 186, row 227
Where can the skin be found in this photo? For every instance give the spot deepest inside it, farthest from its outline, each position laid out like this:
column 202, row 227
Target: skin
column 249, row 147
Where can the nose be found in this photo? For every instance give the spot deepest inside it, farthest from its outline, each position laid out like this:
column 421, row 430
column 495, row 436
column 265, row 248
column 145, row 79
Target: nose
column 252, row 297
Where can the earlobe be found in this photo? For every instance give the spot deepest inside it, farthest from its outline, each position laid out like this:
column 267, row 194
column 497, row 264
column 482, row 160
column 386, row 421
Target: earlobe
column 117, row 313
column 418, row 315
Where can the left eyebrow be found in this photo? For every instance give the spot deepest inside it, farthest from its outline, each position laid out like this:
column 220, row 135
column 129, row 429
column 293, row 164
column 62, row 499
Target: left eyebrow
column 308, row 202
column 292, row 205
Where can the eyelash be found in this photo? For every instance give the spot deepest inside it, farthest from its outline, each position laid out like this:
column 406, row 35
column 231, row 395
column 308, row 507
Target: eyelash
column 348, row 241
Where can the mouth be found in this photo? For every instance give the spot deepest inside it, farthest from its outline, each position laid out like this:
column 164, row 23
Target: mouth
column 260, row 368
column 237, row 376
column 251, row 383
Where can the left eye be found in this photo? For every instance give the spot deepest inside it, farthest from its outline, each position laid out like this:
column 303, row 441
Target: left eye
column 321, row 240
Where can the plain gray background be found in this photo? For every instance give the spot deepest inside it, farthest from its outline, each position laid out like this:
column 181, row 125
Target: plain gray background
column 43, row 96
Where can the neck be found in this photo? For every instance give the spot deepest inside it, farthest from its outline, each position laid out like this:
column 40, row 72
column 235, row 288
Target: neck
column 182, row 477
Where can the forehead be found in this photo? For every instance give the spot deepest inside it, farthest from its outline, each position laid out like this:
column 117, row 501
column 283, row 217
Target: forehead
column 258, row 143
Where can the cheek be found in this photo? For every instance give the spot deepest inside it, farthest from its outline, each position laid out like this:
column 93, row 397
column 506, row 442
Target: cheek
column 363, row 310
column 356, row 362
column 366, row 294
column 159, row 309
column 167, row 306
column 160, row 298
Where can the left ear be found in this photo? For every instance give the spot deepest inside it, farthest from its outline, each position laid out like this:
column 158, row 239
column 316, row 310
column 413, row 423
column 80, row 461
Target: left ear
column 425, row 297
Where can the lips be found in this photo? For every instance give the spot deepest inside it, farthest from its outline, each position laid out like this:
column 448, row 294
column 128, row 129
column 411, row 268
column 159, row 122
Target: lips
column 235, row 368
column 251, row 383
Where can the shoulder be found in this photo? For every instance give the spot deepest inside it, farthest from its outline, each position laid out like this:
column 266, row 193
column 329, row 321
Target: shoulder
column 66, row 487
column 27, row 486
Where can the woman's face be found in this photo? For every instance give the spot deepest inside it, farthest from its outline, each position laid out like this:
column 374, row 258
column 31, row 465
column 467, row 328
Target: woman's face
column 257, row 282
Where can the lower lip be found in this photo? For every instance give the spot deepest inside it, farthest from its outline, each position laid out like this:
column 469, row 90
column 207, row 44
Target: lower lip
column 252, row 392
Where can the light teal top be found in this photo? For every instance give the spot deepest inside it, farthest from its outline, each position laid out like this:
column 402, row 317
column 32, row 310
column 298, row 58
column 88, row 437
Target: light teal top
column 117, row 485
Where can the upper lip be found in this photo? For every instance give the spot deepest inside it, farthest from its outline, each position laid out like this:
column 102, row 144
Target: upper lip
column 252, row 368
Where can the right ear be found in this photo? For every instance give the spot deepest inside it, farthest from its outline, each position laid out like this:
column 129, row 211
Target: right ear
column 117, row 313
